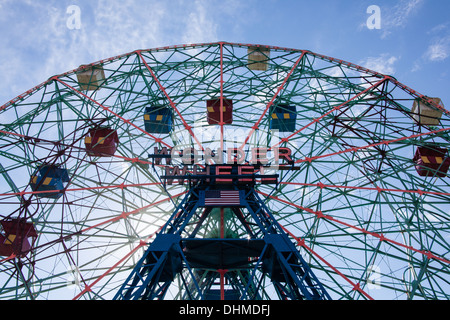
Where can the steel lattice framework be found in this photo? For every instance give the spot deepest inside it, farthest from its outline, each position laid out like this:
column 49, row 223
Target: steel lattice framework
column 352, row 201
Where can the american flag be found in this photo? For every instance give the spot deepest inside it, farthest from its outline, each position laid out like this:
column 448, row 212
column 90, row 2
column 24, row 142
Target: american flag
column 222, row 198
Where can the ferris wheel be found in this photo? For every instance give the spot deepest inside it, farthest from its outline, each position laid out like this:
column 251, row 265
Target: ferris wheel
column 226, row 150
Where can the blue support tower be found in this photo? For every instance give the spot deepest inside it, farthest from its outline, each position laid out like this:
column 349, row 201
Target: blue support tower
column 226, row 268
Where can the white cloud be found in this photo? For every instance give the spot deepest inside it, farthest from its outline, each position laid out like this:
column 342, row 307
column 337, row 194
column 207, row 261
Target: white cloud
column 439, row 50
column 383, row 64
column 28, row 41
column 122, row 26
column 439, row 47
column 403, row 11
column 37, row 44
column 399, row 15
column 199, row 25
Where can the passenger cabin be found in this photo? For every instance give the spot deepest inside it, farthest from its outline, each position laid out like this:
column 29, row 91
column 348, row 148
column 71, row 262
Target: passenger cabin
column 214, row 112
column 49, row 178
column 283, row 118
column 158, row 119
column 431, row 161
column 425, row 113
column 91, row 78
column 258, row 58
column 17, row 237
column 101, row 142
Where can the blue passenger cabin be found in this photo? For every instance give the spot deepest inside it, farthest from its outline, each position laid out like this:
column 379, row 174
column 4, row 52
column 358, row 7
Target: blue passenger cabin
column 158, row 119
column 283, row 118
column 49, row 178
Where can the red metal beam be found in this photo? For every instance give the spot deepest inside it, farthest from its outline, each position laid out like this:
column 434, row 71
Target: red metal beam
column 221, row 123
column 378, row 189
column 117, row 186
column 301, row 243
column 381, row 237
column 385, row 142
column 222, row 282
column 125, row 215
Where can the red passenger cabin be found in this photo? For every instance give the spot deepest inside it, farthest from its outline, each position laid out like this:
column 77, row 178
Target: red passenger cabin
column 101, row 142
column 17, row 237
column 213, row 111
column 431, row 161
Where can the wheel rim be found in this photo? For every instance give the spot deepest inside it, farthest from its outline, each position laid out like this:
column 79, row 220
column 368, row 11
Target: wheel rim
column 353, row 202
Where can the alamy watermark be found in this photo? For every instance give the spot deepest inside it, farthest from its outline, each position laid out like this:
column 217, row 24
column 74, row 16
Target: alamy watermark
column 374, row 20
column 73, row 22
column 73, row 277
column 373, row 278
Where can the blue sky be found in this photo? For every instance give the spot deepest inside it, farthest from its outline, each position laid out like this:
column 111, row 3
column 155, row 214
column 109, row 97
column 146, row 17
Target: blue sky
column 412, row 44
